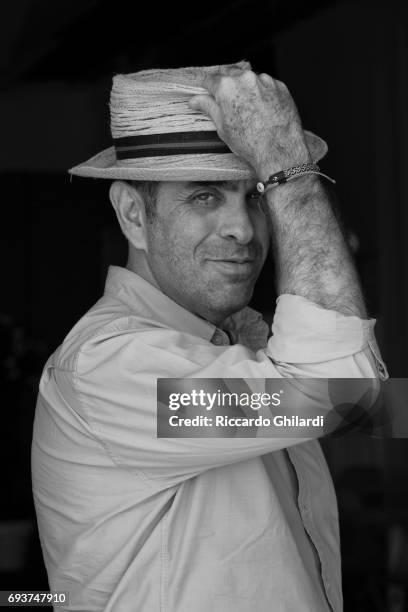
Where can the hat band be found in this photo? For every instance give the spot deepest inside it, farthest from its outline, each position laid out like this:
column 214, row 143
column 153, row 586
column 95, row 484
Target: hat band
column 173, row 143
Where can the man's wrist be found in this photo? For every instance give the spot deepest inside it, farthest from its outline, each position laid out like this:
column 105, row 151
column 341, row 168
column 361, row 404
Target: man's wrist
column 273, row 159
column 302, row 185
column 267, row 169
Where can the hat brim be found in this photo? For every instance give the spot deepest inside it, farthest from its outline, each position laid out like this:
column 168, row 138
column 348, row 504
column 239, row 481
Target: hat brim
column 203, row 167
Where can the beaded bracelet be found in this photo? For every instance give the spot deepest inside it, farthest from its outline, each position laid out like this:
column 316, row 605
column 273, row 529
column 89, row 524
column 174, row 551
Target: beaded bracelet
column 291, row 173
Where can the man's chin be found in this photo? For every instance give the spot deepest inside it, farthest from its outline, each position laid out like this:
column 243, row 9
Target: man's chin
column 232, row 302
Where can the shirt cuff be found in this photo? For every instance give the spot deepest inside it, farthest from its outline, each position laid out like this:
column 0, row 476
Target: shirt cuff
column 304, row 332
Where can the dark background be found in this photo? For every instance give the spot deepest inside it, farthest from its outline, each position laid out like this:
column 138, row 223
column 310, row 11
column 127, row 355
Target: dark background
column 346, row 64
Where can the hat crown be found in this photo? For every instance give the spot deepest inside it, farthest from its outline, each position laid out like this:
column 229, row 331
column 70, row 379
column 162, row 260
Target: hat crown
column 156, row 101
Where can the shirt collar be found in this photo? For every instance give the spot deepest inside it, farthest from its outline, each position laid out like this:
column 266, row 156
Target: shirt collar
column 145, row 300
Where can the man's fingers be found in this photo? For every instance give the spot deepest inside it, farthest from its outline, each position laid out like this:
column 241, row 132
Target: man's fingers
column 212, row 74
column 233, row 69
column 207, row 105
column 265, row 79
column 211, row 82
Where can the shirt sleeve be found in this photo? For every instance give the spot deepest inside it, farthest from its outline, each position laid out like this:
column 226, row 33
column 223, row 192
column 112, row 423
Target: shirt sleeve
column 117, row 371
column 310, row 340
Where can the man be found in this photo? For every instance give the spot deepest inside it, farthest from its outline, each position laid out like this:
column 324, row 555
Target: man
column 132, row 522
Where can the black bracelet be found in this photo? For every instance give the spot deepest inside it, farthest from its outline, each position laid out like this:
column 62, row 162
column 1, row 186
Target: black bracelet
column 291, row 173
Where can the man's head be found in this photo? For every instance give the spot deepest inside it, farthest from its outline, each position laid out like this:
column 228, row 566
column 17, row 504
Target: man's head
column 202, row 244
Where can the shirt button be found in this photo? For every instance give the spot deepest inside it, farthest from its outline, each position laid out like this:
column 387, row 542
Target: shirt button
column 219, row 338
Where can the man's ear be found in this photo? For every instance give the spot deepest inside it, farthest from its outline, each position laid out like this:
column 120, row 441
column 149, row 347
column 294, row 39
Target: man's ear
column 130, row 211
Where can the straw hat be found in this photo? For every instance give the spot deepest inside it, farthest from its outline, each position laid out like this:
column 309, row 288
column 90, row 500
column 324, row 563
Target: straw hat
column 158, row 137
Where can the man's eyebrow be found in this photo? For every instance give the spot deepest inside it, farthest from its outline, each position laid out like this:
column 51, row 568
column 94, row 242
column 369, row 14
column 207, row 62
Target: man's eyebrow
column 227, row 185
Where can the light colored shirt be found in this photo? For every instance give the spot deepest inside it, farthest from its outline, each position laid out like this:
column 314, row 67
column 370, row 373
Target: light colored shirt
column 130, row 522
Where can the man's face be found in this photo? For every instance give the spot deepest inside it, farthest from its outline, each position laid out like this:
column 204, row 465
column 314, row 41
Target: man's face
column 207, row 244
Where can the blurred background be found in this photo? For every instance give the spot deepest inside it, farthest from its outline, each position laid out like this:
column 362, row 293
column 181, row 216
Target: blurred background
column 346, row 64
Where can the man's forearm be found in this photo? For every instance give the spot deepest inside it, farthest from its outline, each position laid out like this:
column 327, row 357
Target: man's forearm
column 312, row 258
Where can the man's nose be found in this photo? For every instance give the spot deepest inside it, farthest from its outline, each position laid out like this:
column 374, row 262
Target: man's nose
column 236, row 223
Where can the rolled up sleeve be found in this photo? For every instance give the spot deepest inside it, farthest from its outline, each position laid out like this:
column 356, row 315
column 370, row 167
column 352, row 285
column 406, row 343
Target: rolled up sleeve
column 308, row 340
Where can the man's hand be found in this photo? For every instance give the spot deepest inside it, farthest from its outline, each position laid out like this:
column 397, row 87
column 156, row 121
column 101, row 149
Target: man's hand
column 256, row 117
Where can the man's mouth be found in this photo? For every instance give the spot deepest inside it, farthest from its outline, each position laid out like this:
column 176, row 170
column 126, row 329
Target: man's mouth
column 239, row 268
column 237, row 260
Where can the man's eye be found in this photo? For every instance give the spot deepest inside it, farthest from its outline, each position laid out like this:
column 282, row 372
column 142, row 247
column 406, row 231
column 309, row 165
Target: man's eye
column 204, row 198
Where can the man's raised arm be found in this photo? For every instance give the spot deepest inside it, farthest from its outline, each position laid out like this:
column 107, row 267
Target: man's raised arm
column 257, row 118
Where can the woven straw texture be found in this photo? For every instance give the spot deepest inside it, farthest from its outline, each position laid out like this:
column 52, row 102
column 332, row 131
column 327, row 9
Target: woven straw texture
column 156, row 102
